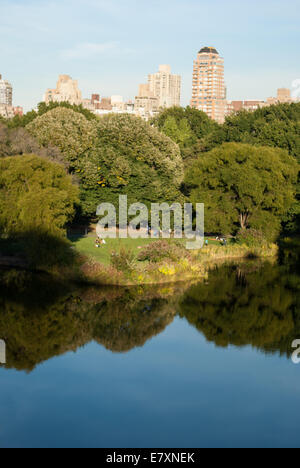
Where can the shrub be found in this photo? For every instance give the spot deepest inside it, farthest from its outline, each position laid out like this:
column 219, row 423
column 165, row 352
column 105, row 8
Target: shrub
column 251, row 238
column 124, row 260
column 161, row 250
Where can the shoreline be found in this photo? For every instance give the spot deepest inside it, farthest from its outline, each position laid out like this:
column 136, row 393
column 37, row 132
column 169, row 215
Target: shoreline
column 94, row 273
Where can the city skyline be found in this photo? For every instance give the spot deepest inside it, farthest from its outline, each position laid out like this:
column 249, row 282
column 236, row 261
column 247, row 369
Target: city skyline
column 110, row 47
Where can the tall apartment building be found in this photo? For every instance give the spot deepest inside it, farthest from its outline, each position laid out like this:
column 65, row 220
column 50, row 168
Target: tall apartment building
column 5, row 92
column 146, row 103
column 66, row 90
column 209, row 91
column 165, row 87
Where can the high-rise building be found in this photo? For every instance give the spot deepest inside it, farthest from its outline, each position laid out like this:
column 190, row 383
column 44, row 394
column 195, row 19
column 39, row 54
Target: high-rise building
column 146, row 103
column 5, row 92
column 66, row 91
column 209, row 91
column 165, row 86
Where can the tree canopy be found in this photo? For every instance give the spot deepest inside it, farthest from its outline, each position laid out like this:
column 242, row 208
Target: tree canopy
column 243, row 186
column 66, row 129
column 188, row 127
column 35, row 194
column 113, row 155
column 21, row 121
column 277, row 126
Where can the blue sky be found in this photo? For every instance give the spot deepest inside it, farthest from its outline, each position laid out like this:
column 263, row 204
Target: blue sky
column 110, row 46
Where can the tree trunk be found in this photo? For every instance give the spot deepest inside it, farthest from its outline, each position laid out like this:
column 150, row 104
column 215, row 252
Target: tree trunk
column 244, row 217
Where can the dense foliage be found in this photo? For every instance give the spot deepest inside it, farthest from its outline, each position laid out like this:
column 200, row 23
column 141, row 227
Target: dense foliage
column 243, row 186
column 35, row 194
column 117, row 154
column 163, row 250
column 66, row 129
column 21, row 121
column 277, row 126
column 188, row 127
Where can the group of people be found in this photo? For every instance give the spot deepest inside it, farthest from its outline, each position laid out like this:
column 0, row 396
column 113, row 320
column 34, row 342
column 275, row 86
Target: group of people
column 99, row 242
column 222, row 240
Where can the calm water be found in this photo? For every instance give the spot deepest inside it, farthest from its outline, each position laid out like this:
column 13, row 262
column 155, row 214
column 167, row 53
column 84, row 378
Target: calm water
column 185, row 366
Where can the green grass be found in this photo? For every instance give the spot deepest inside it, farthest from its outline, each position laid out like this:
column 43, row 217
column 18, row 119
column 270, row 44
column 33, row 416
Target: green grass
column 86, row 246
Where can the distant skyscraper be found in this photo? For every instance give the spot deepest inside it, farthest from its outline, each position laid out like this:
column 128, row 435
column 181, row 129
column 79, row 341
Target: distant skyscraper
column 66, row 91
column 165, row 86
column 5, row 92
column 209, row 91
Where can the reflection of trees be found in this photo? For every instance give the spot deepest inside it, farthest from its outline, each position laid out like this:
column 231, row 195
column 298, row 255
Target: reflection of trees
column 40, row 318
column 242, row 306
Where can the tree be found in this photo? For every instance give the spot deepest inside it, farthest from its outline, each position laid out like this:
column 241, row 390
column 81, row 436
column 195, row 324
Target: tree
column 181, row 133
column 18, row 141
column 243, row 186
column 70, row 131
column 113, row 155
column 277, row 126
column 35, row 195
column 24, row 120
column 198, row 122
column 132, row 158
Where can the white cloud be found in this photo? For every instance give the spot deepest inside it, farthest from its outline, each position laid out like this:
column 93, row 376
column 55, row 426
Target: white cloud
column 88, row 50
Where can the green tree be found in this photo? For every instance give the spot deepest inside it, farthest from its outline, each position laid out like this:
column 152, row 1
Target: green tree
column 132, row 158
column 117, row 154
column 35, row 194
column 24, row 120
column 198, row 122
column 243, row 186
column 70, row 131
column 277, row 126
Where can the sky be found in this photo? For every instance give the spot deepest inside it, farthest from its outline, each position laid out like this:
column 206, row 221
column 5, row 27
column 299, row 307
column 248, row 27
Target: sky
column 110, row 46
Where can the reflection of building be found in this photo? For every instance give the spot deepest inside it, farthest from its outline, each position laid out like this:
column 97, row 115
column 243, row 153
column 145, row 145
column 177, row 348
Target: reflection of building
column 165, row 86
column 209, row 92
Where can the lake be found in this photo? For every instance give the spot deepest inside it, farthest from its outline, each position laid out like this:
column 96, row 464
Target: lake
column 189, row 365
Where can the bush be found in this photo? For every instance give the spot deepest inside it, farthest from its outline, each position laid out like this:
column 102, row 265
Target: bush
column 251, row 238
column 161, row 250
column 124, row 260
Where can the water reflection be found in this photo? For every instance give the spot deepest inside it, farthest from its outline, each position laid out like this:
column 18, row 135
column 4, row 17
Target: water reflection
column 252, row 303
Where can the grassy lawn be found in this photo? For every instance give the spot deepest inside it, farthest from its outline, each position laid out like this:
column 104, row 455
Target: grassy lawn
column 86, row 246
